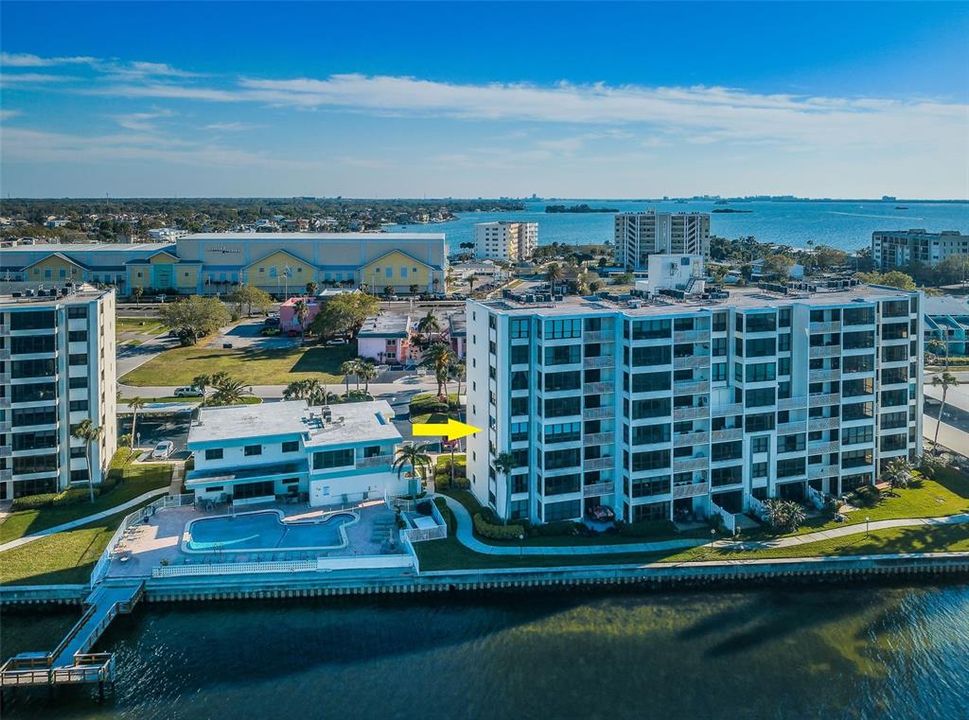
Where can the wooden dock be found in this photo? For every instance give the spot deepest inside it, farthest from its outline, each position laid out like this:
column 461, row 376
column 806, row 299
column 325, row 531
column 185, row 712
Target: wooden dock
column 71, row 663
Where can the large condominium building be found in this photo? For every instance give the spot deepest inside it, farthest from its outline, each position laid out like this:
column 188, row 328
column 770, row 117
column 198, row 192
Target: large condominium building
column 641, row 234
column 210, row 263
column 327, row 455
column 508, row 241
column 670, row 408
column 57, row 368
column 892, row 249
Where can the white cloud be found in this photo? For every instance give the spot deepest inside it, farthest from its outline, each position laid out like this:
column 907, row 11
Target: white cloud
column 9, row 80
column 142, row 121
column 231, row 126
column 7, row 114
column 28, row 60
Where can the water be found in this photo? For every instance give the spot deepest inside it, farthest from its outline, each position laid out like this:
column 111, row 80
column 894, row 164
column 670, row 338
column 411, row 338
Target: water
column 794, row 654
column 842, row 224
column 265, row 531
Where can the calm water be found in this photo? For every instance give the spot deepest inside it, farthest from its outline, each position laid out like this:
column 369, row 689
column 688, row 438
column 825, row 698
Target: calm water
column 792, row 654
column 845, row 225
column 265, row 531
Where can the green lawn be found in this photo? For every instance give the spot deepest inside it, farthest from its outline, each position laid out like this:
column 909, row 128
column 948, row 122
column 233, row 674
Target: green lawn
column 244, row 400
column 150, row 327
column 138, row 479
column 426, row 408
column 179, row 366
column 66, row 557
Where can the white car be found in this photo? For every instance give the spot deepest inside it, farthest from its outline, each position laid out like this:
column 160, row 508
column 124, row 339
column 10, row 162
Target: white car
column 188, row 391
column 163, row 450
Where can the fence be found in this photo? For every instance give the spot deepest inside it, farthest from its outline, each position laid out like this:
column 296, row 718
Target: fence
column 243, row 568
column 815, row 498
column 757, row 507
column 729, row 521
column 102, row 565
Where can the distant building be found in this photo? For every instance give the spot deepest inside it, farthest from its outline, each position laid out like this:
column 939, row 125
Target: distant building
column 503, row 240
column 892, row 249
column 641, row 234
column 328, row 455
column 166, row 234
column 389, row 337
column 947, row 319
column 57, row 368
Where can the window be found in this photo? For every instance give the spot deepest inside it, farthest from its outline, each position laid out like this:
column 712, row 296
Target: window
column 562, row 354
column 758, row 470
column 718, row 372
column 214, row 454
column 759, row 444
column 559, row 381
column 564, row 432
column 562, row 484
column 76, row 312
column 77, row 336
column 651, row 460
column 650, row 382
column 761, row 347
column 858, row 435
column 648, row 434
column 518, row 328
column 562, row 510
column 78, row 405
column 656, row 407
column 644, row 356
column 561, row 329
column 77, row 383
column 519, row 354
column 651, row 329
column 761, row 372
column 558, row 407
column 253, row 450
column 332, row 458
column 36, row 320
column 291, row 446
column 760, row 397
column 77, row 359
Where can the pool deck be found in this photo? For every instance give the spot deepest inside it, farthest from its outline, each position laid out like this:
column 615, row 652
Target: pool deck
column 159, row 540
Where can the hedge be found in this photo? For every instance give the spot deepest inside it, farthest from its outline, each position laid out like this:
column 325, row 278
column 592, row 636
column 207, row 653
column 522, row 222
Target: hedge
column 46, row 500
column 493, row 531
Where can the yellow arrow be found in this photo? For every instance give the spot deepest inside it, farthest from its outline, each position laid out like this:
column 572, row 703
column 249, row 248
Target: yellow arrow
column 452, row 429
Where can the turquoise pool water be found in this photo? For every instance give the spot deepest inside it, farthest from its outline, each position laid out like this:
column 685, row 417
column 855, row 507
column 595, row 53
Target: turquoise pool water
column 265, row 530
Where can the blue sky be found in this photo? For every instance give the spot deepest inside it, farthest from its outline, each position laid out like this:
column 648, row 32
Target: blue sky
column 468, row 99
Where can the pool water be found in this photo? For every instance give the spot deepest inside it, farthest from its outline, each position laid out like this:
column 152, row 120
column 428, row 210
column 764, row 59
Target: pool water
column 265, row 530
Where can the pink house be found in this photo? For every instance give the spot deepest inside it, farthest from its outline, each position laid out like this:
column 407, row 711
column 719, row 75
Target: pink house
column 287, row 313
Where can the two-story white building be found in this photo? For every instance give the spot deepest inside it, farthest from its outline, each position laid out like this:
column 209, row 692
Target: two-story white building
column 327, row 455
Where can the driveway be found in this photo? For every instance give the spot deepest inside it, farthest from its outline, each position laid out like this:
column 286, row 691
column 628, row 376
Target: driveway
column 245, row 334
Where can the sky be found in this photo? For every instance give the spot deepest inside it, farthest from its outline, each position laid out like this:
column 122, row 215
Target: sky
column 470, row 99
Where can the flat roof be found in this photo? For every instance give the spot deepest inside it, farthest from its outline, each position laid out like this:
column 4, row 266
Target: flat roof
column 743, row 298
column 314, row 237
column 88, row 247
column 7, row 300
column 945, row 305
column 385, row 324
column 350, row 423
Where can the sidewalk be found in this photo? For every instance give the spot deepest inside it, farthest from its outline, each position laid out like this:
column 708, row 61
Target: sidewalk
column 466, row 537
column 151, row 494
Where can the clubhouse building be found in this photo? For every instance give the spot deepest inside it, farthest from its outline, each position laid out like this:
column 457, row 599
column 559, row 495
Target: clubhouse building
column 214, row 263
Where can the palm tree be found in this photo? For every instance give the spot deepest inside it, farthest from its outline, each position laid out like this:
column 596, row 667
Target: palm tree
column 439, row 358
column 86, row 431
column 319, row 395
column 367, row 371
column 311, row 288
column 136, row 404
column 504, row 464
column 898, row 473
column 428, row 325
column 302, row 390
column 227, row 392
column 471, row 280
column 302, row 310
column 458, row 372
column 553, row 273
column 201, row 382
column 349, row 368
column 944, row 381
column 417, row 458
column 939, row 347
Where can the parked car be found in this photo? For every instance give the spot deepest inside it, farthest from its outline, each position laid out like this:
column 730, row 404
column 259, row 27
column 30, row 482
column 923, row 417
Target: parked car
column 188, row 391
column 337, row 341
column 163, row 450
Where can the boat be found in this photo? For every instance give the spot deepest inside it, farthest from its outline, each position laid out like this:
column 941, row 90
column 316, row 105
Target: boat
column 901, row 207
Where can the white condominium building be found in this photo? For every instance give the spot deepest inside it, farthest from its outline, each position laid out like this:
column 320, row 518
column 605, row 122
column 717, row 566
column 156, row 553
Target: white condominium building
column 671, row 409
column 641, row 234
column 508, row 241
column 57, row 368
column 892, row 249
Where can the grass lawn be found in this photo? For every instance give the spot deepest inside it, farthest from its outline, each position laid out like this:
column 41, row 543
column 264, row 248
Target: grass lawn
column 426, row 408
column 150, row 327
column 244, row 400
column 66, row 557
column 138, row 479
column 179, row 366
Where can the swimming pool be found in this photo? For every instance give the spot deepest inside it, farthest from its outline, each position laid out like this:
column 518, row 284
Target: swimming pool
column 264, row 530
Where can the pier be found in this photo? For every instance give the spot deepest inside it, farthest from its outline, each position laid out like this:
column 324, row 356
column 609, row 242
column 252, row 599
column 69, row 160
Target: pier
column 71, row 663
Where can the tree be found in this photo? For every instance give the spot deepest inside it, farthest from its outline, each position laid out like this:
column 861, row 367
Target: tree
column 343, row 314
column 302, row 310
column 300, row 389
column 459, row 371
column 414, row 288
column 939, row 347
column 898, row 473
column 439, row 357
column 471, row 281
column 893, row 278
column 311, row 289
column 416, row 456
column 553, row 273
column 228, row 391
column 944, row 381
column 202, row 382
column 777, row 266
column 367, row 371
column 86, row 431
column 349, row 368
column 250, row 297
column 504, row 465
column 137, row 293
column 783, row 515
column 388, row 290
column 427, row 326
column 136, row 404
column 827, row 257
column 193, row 317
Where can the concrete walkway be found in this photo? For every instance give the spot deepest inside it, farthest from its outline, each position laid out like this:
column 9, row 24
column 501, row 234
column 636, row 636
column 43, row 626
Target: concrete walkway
column 150, row 495
column 466, row 537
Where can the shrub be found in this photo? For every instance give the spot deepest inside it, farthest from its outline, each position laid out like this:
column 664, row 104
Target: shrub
column 494, row 531
column 783, row 515
column 446, row 513
column 866, row 496
column 648, row 529
column 70, row 496
column 554, row 529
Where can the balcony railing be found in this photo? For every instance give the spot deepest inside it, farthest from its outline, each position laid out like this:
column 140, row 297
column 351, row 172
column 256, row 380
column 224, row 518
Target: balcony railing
column 598, row 463
column 728, row 434
column 829, row 446
column 599, row 413
column 824, row 374
column 6, row 474
column 598, row 336
column 602, row 361
column 825, row 423
column 7, row 450
column 791, row 403
column 598, row 388
column 597, row 438
column 690, row 413
column 691, row 490
column 691, row 388
column 693, row 438
column 4, row 353
column 824, row 399
column 823, row 351
column 791, row 427
column 691, row 361
column 732, row 409
column 822, row 471
column 825, row 327
column 598, row 489
column 375, row 460
column 688, row 464
column 690, row 336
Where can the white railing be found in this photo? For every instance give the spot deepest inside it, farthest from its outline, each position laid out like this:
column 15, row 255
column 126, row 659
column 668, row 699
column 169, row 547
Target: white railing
column 598, row 387
column 824, row 374
column 814, row 497
column 375, row 460
column 598, row 413
column 598, row 463
column 438, row 532
column 825, row 423
column 245, row 568
column 790, row 427
column 691, row 361
column 824, row 447
column 825, row 327
column 824, row 399
column 101, row 567
column 178, row 500
column 692, row 387
column 757, row 507
column 258, row 500
column 602, row 361
column 727, row 434
column 364, row 562
column 690, row 336
column 598, row 489
column 732, row 409
column 729, row 521
column 822, row 351
column 789, row 403
column 598, row 335
column 411, row 550
column 690, row 490
column 691, row 413
column 698, row 463
column 597, row 438
column 693, row 438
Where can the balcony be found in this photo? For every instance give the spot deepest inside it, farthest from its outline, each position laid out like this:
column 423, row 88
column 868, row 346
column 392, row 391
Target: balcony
column 690, row 413
column 597, row 438
column 699, row 463
column 374, row 461
column 598, row 489
column 830, row 446
column 824, row 375
column 685, row 336
column 605, row 463
column 7, row 450
column 732, row 409
column 823, row 351
column 696, row 387
column 692, row 490
column 791, row 403
column 4, row 353
column 691, row 361
column 598, row 336
column 603, row 361
column 825, row 423
column 693, row 438
column 5, row 426
column 4, row 377
column 599, row 413
column 824, row 399
column 728, row 434
column 823, row 471
column 791, row 427
column 598, row 388
column 825, row 327
column 6, row 474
